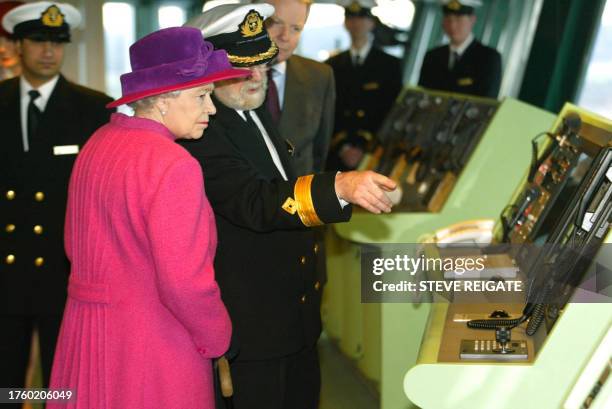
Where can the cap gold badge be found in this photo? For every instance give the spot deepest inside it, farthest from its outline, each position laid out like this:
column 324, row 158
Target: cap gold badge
column 52, row 17
column 252, row 24
column 454, row 5
column 354, row 7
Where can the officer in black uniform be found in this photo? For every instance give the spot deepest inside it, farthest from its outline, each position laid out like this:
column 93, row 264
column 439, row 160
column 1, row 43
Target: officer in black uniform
column 265, row 259
column 44, row 120
column 367, row 82
column 465, row 65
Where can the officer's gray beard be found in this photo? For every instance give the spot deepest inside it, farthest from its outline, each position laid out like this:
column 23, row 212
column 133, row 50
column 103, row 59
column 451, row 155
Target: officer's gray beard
column 244, row 100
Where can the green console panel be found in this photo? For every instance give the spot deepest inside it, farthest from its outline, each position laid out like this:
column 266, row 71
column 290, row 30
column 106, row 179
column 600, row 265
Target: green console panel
column 544, row 384
column 568, row 364
column 384, row 339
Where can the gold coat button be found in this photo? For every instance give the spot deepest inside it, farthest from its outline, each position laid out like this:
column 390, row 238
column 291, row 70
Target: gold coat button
column 39, row 196
column 39, row 261
column 38, row 229
column 10, row 259
column 10, row 195
column 10, row 228
column 303, row 260
column 317, row 285
column 360, row 113
column 316, row 248
column 303, row 299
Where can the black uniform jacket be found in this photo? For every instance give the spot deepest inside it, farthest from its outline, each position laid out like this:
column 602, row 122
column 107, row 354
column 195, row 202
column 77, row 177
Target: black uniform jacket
column 364, row 96
column 478, row 71
column 265, row 254
column 33, row 191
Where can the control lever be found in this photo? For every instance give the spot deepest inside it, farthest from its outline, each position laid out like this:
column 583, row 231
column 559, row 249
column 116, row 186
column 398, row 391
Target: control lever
column 591, row 213
column 503, row 338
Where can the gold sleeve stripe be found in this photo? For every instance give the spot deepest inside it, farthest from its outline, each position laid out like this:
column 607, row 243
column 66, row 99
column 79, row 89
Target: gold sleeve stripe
column 303, row 197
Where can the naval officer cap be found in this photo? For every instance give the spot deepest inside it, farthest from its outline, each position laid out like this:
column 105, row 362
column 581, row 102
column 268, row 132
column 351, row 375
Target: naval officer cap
column 460, row 7
column 42, row 21
column 239, row 30
column 5, row 7
column 357, row 8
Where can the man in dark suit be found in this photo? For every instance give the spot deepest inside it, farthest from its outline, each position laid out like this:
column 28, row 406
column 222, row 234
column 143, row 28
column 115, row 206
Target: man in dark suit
column 44, row 121
column 367, row 82
column 302, row 90
column 465, row 66
column 265, row 256
column 303, row 93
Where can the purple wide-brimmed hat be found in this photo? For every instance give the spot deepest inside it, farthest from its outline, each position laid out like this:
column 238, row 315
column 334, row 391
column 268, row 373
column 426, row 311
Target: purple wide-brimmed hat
column 172, row 59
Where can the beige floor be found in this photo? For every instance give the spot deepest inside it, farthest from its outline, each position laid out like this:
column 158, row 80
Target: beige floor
column 342, row 387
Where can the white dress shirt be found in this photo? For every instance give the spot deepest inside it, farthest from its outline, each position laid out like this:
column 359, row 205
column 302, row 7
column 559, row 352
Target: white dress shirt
column 459, row 49
column 267, row 140
column 363, row 51
column 279, row 76
column 41, row 102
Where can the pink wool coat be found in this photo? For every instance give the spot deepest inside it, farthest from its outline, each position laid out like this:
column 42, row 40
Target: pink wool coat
column 144, row 315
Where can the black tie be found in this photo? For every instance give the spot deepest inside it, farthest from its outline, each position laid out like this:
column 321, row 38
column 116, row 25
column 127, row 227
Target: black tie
column 34, row 114
column 250, row 121
column 454, row 59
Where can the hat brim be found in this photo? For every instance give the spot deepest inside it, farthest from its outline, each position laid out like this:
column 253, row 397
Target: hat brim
column 30, row 12
column 263, row 57
column 362, row 12
column 462, row 11
column 218, row 76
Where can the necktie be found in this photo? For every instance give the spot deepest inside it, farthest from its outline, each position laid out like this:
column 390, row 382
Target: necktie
column 268, row 143
column 357, row 60
column 272, row 101
column 34, row 114
column 454, row 59
column 249, row 119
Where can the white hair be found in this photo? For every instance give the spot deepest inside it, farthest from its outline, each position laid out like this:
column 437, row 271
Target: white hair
column 147, row 103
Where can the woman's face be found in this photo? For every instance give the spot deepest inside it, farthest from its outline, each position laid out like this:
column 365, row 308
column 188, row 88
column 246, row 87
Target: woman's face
column 8, row 53
column 188, row 114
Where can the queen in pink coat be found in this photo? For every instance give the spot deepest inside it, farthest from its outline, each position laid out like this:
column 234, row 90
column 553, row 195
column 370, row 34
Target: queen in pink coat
column 144, row 315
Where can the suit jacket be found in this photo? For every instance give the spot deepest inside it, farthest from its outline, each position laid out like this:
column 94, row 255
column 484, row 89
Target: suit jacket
column 307, row 117
column 364, row 96
column 265, row 262
column 478, row 71
column 72, row 114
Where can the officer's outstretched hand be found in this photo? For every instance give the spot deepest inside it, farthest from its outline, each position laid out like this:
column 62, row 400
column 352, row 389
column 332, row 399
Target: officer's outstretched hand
column 366, row 189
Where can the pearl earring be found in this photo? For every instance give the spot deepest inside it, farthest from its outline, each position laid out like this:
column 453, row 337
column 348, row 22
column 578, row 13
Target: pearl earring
column 163, row 113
